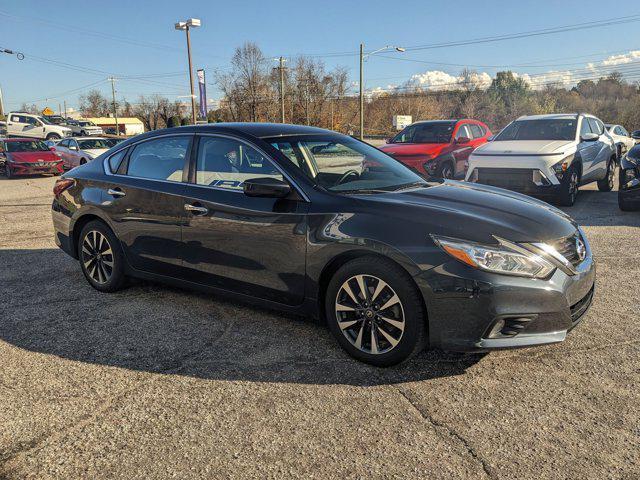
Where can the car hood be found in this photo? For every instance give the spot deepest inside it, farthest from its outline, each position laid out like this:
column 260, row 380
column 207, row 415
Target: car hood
column 476, row 213
column 412, row 148
column 523, row 147
column 28, row 157
column 95, row 152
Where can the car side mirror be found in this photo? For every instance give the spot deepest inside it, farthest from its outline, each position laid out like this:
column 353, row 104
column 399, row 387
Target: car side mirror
column 462, row 140
column 589, row 137
column 635, row 135
column 266, row 187
column 491, row 138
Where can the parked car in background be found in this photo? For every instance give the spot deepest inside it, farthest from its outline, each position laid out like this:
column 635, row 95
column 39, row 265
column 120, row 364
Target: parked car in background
column 25, row 156
column 621, row 137
column 629, row 186
column 3, row 127
column 311, row 221
column 80, row 150
column 438, row 148
column 548, row 156
column 22, row 124
column 84, row 128
column 55, row 119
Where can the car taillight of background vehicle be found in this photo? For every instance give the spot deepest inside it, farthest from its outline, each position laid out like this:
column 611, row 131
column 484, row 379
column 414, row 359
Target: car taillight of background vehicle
column 61, row 185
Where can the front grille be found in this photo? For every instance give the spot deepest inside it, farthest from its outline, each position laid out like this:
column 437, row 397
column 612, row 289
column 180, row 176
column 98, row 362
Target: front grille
column 578, row 309
column 512, row 178
column 568, row 248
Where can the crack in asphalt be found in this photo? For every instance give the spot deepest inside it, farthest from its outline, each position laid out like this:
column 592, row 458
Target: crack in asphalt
column 14, row 456
column 439, row 426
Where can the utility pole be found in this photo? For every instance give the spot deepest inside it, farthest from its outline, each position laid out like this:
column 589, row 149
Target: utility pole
column 65, row 109
column 282, row 89
column 59, row 109
column 186, row 26
column 115, row 109
column 1, row 104
column 331, row 103
column 361, row 91
column 307, row 95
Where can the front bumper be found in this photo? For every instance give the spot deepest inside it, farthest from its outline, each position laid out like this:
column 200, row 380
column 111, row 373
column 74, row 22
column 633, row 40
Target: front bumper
column 35, row 168
column 466, row 306
column 529, row 181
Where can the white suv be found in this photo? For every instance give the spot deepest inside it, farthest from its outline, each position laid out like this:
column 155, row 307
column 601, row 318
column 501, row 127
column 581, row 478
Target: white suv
column 547, row 156
column 21, row 124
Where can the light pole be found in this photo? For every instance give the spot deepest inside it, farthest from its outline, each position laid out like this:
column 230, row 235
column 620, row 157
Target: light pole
column 187, row 26
column 363, row 57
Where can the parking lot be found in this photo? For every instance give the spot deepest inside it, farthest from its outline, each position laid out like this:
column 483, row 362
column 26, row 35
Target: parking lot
column 159, row 382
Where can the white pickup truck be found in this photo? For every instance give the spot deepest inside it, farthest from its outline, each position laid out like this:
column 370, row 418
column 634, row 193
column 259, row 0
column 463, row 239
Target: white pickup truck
column 21, row 124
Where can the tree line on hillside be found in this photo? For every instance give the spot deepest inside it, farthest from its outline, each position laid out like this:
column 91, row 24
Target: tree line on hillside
column 317, row 96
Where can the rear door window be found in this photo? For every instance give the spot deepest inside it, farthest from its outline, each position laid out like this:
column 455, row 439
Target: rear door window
column 115, row 160
column 476, row 130
column 463, row 132
column 160, row 159
column 585, row 127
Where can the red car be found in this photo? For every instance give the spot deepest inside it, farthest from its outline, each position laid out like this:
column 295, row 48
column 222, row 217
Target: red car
column 26, row 156
column 438, row 148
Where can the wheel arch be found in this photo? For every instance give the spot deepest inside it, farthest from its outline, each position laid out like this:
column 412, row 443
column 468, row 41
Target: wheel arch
column 79, row 224
column 332, row 266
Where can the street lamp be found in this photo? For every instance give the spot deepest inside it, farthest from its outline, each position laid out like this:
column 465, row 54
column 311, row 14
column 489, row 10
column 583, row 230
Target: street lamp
column 187, row 26
column 363, row 57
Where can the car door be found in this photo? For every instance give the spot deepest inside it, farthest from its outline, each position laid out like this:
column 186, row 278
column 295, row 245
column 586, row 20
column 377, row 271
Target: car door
column 74, row 153
column 62, row 148
column 462, row 147
column 34, row 128
column 144, row 201
column 603, row 149
column 588, row 152
column 16, row 125
column 250, row 245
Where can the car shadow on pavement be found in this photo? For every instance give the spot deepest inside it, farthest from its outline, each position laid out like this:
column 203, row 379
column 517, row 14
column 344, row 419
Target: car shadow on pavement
column 49, row 308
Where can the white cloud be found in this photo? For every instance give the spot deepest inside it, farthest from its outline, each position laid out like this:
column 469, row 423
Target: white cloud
column 622, row 59
column 439, row 80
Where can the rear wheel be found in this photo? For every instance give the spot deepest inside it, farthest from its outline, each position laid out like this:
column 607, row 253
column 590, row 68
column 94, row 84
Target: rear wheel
column 101, row 257
column 569, row 188
column 375, row 312
column 82, row 161
column 606, row 184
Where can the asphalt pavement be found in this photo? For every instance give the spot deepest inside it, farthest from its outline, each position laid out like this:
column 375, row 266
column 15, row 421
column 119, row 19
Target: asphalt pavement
column 157, row 382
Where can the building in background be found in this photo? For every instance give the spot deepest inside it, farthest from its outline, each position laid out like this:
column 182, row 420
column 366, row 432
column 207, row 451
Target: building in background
column 127, row 125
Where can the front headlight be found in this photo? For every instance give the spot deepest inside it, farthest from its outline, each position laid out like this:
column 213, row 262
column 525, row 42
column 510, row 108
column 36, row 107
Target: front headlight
column 562, row 166
column 504, row 258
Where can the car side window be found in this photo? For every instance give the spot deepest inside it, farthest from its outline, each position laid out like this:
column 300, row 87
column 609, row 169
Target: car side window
column 63, row 143
column 463, row 131
column 160, row 158
column 115, row 160
column 226, row 163
column 585, row 127
column 476, row 130
column 624, row 132
column 595, row 126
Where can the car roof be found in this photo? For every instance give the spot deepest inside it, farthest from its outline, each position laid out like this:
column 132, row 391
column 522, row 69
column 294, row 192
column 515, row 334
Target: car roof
column 260, row 130
column 559, row 116
column 21, row 139
column 87, row 138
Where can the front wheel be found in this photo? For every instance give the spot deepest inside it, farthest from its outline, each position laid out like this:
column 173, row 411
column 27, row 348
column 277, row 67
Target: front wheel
column 53, row 136
column 7, row 171
column 606, row 184
column 569, row 189
column 375, row 311
column 101, row 257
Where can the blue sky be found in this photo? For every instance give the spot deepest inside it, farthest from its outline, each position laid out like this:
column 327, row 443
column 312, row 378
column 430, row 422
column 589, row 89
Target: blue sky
column 137, row 39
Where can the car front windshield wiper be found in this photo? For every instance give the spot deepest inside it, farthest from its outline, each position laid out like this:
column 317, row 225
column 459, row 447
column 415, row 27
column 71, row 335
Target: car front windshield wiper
column 407, row 186
column 363, row 191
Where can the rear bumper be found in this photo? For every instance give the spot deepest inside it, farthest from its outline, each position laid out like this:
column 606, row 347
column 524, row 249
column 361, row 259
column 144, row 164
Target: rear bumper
column 470, row 310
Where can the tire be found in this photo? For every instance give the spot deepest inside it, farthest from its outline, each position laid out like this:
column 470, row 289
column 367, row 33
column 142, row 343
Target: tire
column 101, row 276
column 569, row 189
column 446, row 171
column 403, row 321
column 7, row 171
column 624, row 205
column 606, row 184
column 53, row 136
column 82, row 161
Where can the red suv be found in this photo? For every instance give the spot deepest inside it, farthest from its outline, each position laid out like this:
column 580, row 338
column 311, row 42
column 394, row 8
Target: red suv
column 438, row 148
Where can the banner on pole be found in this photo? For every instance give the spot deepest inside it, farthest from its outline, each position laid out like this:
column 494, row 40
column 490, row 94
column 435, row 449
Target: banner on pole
column 203, row 94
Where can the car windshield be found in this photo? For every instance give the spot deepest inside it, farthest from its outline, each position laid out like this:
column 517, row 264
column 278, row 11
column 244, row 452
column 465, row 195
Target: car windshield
column 93, row 144
column 30, row 146
column 343, row 164
column 427, row 132
column 113, row 141
column 87, row 124
column 543, row 129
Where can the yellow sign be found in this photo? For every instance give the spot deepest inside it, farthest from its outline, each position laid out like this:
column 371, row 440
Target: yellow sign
column 48, row 111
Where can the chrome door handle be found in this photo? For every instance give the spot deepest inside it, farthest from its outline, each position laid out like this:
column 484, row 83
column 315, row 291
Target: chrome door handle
column 196, row 210
column 116, row 193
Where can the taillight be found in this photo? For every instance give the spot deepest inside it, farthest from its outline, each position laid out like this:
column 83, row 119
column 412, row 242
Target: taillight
column 61, row 185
